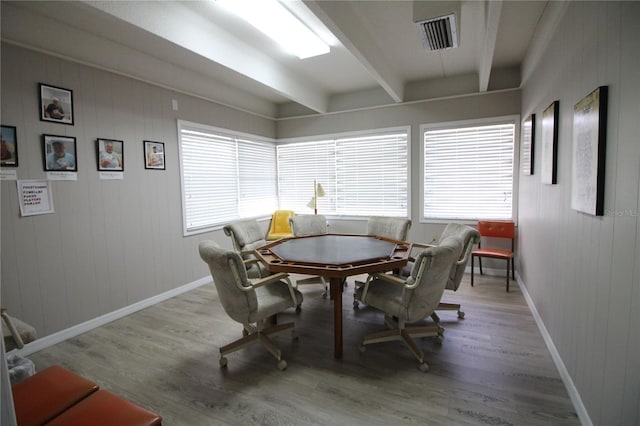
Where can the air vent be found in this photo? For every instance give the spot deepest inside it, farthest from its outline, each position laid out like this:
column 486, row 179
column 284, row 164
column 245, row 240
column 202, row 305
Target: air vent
column 438, row 33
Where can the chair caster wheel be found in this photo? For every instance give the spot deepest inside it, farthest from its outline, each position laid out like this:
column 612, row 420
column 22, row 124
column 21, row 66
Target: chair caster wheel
column 298, row 309
column 440, row 331
column 439, row 339
column 222, row 361
column 356, row 305
column 324, row 295
column 282, row 365
column 460, row 315
column 424, row 367
column 363, row 349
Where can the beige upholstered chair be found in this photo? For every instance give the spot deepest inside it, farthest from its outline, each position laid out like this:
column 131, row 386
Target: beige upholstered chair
column 412, row 299
column 246, row 236
column 249, row 303
column 304, row 226
column 470, row 237
column 396, row 228
column 15, row 332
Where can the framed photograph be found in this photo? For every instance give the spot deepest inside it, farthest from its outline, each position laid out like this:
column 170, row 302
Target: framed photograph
column 9, row 147
column 154, row 155
column 549, row 148
column 59, row 153
column 56, row 104
column 527, row 144
column 110, row 155
column 588, row 155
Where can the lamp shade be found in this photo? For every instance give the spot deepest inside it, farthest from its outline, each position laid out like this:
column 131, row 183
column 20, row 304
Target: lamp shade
column 319, row 190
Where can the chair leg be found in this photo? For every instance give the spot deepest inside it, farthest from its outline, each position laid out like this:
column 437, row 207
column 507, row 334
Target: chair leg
column 472, row 267
column 508, row 274
column 513, row 269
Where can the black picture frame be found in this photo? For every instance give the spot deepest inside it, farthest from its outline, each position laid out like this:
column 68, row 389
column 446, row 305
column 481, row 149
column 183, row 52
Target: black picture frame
column 589, row 152
column 527, row 145
column 56, row 104
column 154, row 155
column 52, row 160
column 109, row 155
column 549, row 145
column 9, row 146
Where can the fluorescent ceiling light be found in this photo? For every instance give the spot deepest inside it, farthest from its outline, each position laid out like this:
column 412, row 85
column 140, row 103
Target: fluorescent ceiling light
column 276, row 21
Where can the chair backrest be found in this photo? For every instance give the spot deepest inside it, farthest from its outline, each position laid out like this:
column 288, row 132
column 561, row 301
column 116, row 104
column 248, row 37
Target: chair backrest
column 498, row 229
column 304, row 225
column 246, row 235
column 396, row 228
column 429, row 274
column 280, row 226
column 237, row 296
column 469, row 237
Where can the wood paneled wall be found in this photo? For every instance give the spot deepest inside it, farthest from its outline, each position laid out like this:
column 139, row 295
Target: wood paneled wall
column 110, row 243
column 581, row 271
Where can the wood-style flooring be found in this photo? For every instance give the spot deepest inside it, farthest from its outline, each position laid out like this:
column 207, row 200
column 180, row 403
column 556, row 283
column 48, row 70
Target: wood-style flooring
column 492, row 368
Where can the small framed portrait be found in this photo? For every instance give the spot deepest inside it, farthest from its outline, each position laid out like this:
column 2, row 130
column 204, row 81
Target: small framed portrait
column 56, row 104
column 153, row 155
column 9, row 148
column 59, row 153
column 110, row 154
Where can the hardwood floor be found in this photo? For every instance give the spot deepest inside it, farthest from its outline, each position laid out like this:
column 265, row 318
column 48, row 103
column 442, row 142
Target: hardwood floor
column 492, row 368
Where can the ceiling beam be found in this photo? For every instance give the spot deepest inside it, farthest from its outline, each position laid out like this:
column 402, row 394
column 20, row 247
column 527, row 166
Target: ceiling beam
column 185, row 28
column 494, row 10
column 347, row 27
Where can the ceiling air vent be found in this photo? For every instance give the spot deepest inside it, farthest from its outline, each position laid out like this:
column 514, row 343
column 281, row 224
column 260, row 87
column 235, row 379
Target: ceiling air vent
column 438, row 33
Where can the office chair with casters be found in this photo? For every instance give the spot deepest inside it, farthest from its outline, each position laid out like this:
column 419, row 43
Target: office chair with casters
column 411, row 299
column 469, row 237
column 496, row 229
column 396, row 228
column 15, row 332
column 304, row 226
column 251, row 303
column 280, row 227
column 246, row 236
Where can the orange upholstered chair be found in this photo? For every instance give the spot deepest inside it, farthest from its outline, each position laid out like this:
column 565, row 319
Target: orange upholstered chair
column 496, row 229
column 280, row 227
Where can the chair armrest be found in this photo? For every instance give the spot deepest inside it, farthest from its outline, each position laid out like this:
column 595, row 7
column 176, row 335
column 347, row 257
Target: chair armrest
column 392, row 279
column 280, row 276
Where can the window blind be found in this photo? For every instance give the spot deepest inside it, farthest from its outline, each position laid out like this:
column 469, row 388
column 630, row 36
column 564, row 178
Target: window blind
column 468, row 172
column 362, row 175
column 224, row 177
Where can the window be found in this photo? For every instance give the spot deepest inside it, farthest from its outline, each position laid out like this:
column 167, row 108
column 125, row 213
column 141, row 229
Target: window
column 225, row 176
column 468, row 170
column 361, row 174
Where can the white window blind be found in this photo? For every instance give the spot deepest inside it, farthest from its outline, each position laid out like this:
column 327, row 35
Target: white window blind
column 468, row 172
column 362, row 175
column 224, row 177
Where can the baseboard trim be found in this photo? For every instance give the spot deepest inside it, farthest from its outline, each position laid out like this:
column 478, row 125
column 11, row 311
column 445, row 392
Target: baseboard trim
column 581, row 410
column 70, row 332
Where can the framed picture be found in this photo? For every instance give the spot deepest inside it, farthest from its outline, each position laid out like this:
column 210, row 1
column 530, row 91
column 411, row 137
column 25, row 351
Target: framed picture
column 56, row 104
column 9, row 147
column 528, row 145
column 110, row 154
column 154, row 155
column 549, row 148
column 589, row 144
column 59, row 153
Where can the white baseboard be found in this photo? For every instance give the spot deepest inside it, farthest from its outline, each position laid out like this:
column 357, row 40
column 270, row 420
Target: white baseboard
column 70, row 332
column 581, row 410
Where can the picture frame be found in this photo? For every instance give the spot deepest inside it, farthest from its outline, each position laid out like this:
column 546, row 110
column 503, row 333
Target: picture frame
column 110, row 155
column 549, row 147
column 59, row 153
column 9, row 147
column 527, row 144
column 56, row 104
column 154, row 155
column 589, row 152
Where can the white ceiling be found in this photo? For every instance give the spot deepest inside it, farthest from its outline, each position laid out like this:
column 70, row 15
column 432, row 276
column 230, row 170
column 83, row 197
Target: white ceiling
column 196, row 47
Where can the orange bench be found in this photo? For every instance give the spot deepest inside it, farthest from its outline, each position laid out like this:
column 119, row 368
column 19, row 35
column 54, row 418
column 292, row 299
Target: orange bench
column 56, row 396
